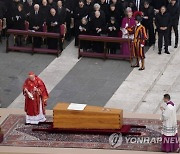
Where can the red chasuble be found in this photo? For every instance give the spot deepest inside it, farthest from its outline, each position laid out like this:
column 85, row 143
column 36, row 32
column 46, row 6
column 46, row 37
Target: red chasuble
column 32, row 106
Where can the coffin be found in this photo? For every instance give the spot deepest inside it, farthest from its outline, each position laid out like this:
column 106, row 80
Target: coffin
column 92, row 117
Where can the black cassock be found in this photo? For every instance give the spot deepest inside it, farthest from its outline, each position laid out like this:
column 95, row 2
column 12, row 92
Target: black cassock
column 36, row 20
column 45, row 11
column 2, row 9
column 119, row 10
column 105, row 8
column 157, row 4
column 98, row 23
column 53, row 42
column 114, row 14
column 69, row 6
column 89, row 8
column 28, row 9
column 19, row 20
column 148, row 23
column 174, row 13
column 61, row 12
column 10, row 13
column 84, row 30
column 112, row 33
column 19, row 23
column 163, row 20
column 102, row 15
column 79, row 13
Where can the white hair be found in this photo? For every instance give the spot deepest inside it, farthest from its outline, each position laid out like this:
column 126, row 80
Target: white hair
column 128, row 9
column 96, row 5
column 36, row 5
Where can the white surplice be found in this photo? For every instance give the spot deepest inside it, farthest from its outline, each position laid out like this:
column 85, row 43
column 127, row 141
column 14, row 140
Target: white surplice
column 169, row 120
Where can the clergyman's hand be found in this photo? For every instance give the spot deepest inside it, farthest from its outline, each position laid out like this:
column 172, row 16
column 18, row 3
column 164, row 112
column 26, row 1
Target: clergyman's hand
column 25, row 90
column 162, row 108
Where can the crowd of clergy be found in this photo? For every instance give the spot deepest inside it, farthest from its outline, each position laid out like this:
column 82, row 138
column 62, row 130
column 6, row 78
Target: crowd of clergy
column 94, row 17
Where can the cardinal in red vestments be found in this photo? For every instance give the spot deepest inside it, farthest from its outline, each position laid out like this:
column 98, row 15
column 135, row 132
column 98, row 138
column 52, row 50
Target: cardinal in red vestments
column 36, row 96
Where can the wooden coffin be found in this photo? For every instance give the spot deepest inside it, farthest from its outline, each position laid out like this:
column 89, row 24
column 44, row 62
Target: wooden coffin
column 92, row 117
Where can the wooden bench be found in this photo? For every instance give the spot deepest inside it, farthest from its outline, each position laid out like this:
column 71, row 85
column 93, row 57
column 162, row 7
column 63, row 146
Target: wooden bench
column 31, row 48
column 105, row 40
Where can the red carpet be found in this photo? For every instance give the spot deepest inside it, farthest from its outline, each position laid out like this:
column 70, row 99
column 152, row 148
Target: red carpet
column 16, row 133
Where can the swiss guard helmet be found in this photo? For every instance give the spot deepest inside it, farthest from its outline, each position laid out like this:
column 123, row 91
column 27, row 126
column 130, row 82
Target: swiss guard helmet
column 138, row 16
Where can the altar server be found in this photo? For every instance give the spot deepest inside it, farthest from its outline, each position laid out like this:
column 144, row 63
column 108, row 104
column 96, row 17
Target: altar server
column 170, row 141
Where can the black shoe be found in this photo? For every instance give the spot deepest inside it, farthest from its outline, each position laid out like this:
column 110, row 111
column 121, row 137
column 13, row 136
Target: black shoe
column 141, row 69
column 175, row 46
column 167, row 52
column 159, row 52
column 178, row 150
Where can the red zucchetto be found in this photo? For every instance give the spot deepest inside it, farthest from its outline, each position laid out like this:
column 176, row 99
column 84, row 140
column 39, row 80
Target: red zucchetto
column 31, row 73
